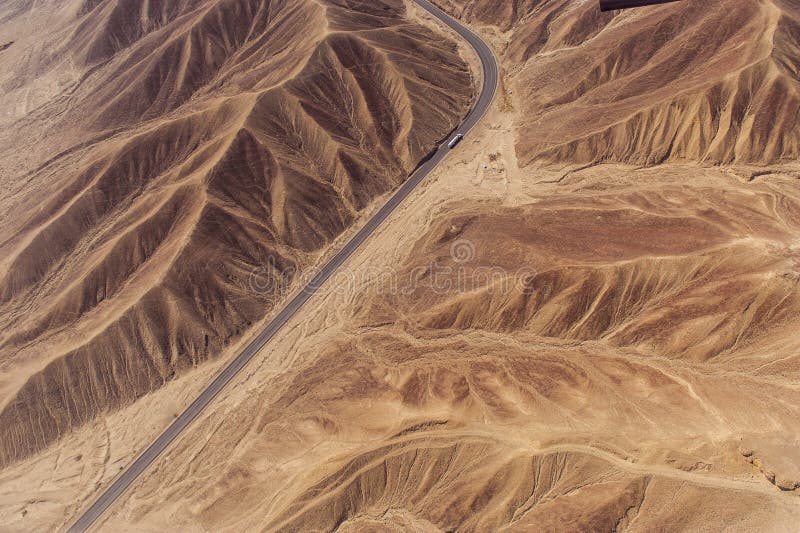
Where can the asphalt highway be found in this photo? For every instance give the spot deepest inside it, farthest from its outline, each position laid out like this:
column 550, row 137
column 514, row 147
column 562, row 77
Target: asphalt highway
column 125, row 479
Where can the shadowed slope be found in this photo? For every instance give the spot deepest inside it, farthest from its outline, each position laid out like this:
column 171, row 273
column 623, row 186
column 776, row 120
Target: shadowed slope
column 674, row 271
column 713, row 81
column 214, row 147
column 538, row 349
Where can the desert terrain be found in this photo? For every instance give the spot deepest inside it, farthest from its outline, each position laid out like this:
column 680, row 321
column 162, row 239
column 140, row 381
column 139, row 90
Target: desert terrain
column 586, row 319
column 196, row 149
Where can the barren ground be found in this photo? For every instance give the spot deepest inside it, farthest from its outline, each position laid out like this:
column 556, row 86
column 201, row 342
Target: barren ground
column 553, row 333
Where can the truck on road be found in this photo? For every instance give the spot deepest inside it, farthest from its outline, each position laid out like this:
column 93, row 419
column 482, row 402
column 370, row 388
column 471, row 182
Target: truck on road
column 455, row 140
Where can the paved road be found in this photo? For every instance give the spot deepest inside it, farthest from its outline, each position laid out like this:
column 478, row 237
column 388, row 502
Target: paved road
column 134, row 470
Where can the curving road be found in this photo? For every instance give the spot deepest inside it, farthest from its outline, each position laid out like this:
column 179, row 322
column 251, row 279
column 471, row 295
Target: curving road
column 146, row 458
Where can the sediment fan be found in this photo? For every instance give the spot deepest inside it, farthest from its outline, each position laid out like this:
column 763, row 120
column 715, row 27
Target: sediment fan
column 609, row 5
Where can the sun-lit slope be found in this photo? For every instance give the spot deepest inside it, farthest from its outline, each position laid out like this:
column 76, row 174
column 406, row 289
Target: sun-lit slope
column 609, row 348
column 646, row 375
column 701, row 80
column 452, row 431
column 680, row 271
column 213, row 148
column 459, row 483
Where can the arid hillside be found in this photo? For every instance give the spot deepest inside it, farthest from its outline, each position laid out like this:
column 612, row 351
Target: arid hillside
column 609, row 361
column 584, row 320
column 661, row 269
column 157, row 154
column 587, row 321
column 701, row 80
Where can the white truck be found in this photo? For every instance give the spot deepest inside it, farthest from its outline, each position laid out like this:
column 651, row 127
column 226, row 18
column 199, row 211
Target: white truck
column 455, row 140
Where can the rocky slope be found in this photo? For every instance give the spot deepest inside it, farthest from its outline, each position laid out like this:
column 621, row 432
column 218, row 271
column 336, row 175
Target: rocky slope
column 195, row 144
column 550, row 346
column 659, row 268
column 714, row 81
column 535, row 341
